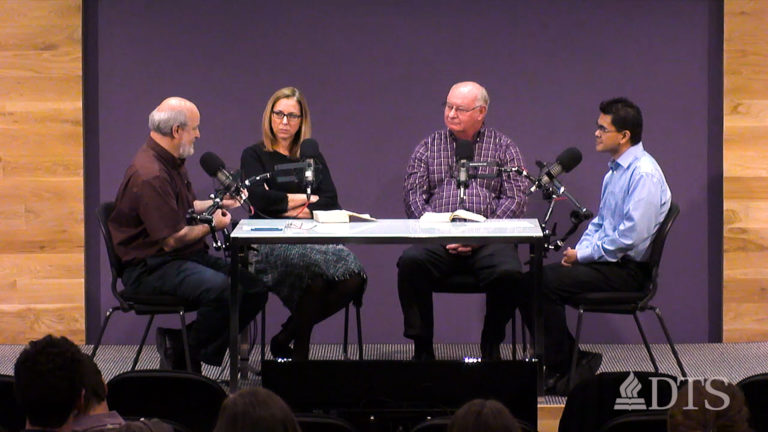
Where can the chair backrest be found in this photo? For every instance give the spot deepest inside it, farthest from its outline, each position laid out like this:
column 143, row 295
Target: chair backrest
column 115, row 264
column 657, row 248
column 12, row 417
column 638, row 422
column 184, row 398
column 439, row 424
column 103, row 213
column 755, row 390
column 322, row 423
column 595, row 401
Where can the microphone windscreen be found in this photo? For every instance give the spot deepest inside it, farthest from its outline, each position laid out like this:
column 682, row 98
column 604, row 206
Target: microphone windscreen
column 309, row 148
column 569, row 158
column 465, row 150
column 211, row 163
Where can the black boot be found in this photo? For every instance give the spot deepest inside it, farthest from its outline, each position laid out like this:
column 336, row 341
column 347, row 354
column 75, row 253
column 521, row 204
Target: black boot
column 423, row 350
column 280, row 344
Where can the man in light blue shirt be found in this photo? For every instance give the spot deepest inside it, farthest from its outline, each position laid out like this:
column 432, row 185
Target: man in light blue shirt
column 613, row 252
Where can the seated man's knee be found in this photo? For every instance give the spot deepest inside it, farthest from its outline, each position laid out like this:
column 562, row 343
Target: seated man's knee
column 411, row 260
column 213, row 287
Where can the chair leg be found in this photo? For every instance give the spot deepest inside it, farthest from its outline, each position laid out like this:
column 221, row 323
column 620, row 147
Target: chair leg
column 143, row 340
column 513, row 334
column 263, row 333
column 185, row 340
column 346, row 332
column 669, row 341
column 103, row 329
column 575, row 355
column 359, row 332
column 524, row 337
column 645, row 342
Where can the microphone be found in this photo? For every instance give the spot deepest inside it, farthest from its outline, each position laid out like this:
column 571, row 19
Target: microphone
column 230, row 181
column 310, row 150
column 565, row 162
column 465, row 152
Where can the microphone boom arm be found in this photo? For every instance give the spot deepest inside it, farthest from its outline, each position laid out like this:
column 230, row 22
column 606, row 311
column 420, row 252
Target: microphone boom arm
column 551, row 191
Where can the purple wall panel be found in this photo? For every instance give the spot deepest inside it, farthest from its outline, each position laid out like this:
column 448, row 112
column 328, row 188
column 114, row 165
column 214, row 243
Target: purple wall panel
column 375, row 73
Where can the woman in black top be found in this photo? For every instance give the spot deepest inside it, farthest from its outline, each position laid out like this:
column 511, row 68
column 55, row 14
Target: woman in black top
column 312, row 281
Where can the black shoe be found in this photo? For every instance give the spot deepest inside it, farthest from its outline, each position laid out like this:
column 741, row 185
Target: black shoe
column 490, row 352
column 280, row 348
column 164, row 347
column 587, row 365
column 423, row 350
column 170, row 346
column 551, row 380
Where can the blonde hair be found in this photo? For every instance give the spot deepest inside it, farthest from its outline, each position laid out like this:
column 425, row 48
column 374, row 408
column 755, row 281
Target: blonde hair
column 305, row 128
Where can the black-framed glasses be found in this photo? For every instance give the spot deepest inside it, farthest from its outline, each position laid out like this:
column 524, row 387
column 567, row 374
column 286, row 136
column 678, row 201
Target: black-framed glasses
column 604, row 130
column 459, row 110
column 279, row 115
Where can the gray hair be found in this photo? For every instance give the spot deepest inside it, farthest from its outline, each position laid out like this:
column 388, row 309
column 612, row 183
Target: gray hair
column 163, row 122
column 482, row 97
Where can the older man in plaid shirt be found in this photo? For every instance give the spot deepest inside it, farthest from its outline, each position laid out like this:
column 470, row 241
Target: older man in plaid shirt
column 431, row 186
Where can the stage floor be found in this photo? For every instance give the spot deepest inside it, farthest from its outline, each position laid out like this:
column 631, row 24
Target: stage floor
column 733, row 361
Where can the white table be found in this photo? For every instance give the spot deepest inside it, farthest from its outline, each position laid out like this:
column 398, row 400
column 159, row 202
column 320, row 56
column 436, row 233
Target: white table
column 383, row 231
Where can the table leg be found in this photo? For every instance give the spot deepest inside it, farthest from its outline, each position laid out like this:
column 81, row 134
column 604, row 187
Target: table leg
column 234, row 311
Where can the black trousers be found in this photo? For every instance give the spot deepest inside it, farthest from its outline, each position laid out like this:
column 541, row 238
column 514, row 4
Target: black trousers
column 559, row 284
column 420, row 268
column 202, row 280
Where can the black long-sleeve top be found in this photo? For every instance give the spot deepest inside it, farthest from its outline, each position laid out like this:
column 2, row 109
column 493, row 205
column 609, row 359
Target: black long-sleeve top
column 273, row 202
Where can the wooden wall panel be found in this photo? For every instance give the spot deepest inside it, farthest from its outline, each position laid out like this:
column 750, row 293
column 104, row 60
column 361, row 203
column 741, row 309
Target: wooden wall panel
column 41, row 170
column 745, row 170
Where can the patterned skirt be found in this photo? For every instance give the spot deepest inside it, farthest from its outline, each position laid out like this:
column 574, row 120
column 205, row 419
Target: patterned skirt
column 286, row 270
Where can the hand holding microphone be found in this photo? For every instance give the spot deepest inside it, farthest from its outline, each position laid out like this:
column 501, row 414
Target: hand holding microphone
column 230, row 181
column 221, row 219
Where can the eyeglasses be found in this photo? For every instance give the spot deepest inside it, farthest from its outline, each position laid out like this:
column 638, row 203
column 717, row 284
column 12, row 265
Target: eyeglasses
column 459, row 110
column 604, row 130
column 279, row 115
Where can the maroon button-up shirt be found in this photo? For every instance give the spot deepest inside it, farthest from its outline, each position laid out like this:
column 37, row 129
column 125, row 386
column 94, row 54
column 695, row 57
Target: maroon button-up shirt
column 151, row 205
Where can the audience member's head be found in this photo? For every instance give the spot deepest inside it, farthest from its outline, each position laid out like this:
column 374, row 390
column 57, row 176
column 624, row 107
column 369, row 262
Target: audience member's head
column 256, row 410
column 483, row 415
column 48, row 381
column 718, row 406
column 94, row 388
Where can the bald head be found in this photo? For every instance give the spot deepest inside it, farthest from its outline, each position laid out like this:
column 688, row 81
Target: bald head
column 473, row 90
column 173, row 111
column 175, row 125
column 465, row 109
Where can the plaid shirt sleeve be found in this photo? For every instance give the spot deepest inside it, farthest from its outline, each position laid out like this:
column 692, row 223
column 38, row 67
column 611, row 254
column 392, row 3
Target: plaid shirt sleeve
column 416, row 192
column 512, row 201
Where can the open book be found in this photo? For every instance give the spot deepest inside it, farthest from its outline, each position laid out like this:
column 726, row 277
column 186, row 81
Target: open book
column 339, row 216
column 447, row 217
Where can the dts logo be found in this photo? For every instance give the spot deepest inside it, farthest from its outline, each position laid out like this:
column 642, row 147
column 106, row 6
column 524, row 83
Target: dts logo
column 629, row 390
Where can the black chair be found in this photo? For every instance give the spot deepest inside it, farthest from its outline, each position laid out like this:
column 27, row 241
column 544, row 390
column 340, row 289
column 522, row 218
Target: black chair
column 440, row 424
column 467, row 283
column 181, row 398
column 630, row 303
column 140, row 305
column 592, row 403
column 322, row 423
column 638, row 422
column 755, row 390
column 12, row 417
